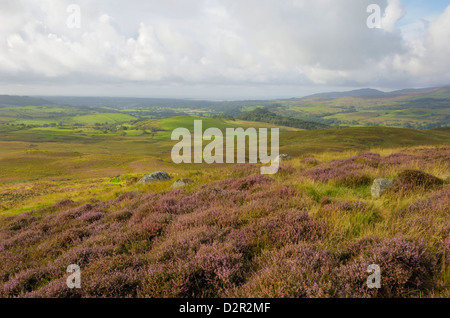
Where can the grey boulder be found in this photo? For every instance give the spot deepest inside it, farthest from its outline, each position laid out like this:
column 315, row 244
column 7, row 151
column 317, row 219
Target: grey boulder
column 379, row 186
column 155, row 176
column 283, row 156
column 181, row 183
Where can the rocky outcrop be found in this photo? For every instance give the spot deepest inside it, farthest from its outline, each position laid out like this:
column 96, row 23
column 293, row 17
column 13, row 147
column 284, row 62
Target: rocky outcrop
column 155, row 176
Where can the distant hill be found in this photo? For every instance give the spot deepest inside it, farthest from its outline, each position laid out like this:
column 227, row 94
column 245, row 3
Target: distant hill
column 353, row 93
column 376, row 92
column 127, row 102
column 7, row 100
column 265, row 116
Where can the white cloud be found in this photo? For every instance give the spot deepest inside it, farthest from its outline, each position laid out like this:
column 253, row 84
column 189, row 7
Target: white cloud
column 427, row 59
column 210, row 42
column 394, row 12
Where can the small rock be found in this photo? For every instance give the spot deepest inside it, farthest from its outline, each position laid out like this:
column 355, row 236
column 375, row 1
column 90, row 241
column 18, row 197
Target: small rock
column 379, row 186
column 181, row 183
column 283, row 156
column 155, row 176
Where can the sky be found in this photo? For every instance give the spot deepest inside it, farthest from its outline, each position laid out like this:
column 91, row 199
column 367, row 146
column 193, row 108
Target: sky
column 220, row 49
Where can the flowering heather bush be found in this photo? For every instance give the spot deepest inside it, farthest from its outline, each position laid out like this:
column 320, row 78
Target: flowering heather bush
column 84, row 255
column 284, row 170
column 406, row 267
column 91, row 216
column 215, row 268
column 121, row 282
column 397, row 159
column 25, row 281
column 420, row 157
column 286, row 227
column 310, row 161
column 248, row 183
column 351, row 205
column 353, row 172
column 367, row 159
column 293, row 271
column 437, row 203
column 55, row 289
column 194, row 267
column 435, row 155
column 21, row 222
column 342, row 173
column 415, row 180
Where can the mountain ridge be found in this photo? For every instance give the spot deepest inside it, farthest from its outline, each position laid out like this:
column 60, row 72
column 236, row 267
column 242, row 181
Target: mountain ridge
column 374, row 92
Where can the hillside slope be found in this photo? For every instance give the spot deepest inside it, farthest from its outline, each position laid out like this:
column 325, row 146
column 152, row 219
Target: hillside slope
column 311, row 231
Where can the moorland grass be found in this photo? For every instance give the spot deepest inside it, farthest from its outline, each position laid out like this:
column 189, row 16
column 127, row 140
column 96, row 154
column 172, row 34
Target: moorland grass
column 236, row 233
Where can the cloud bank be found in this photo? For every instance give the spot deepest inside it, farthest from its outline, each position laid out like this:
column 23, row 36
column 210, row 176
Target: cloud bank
column 209, row 44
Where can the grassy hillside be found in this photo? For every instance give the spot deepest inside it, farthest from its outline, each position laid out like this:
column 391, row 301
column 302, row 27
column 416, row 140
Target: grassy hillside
column 362, row 138
column 420, row 110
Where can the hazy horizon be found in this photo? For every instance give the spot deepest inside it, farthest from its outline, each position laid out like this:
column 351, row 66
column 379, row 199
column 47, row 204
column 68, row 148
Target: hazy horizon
column 229, row 99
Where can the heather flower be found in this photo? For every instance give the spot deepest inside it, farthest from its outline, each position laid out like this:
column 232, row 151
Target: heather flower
column 295, row 271
column 215, row 268
column 342, row 173
column 367, row 159
column 310, row 161
column 437, row 203
column 406, row 267
column 415, row 180
column 397, row 159
column 91, row 216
